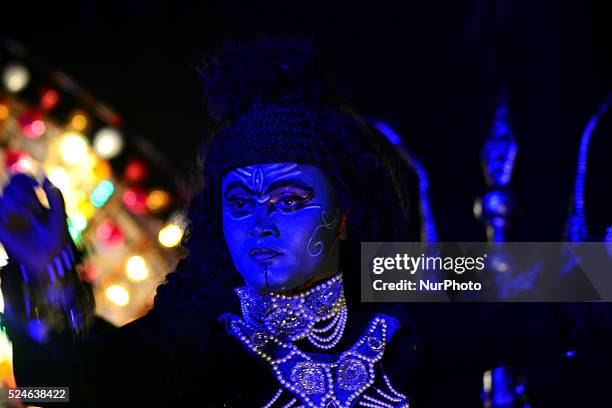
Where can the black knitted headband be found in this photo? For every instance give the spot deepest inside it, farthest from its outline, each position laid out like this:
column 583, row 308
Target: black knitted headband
column 269, row 133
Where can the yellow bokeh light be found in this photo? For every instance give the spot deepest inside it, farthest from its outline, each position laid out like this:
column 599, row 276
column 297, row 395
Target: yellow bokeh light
column 170, row 236
column 4, row 112
column 157, row 199
column 74, row 148
column 78, row 196
column 79, row 122
column 87, row 209
column 136, row 268
column 102, row 169
column 118, row 295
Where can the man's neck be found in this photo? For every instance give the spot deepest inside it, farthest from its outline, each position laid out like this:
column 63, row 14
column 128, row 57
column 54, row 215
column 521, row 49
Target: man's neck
column 320, row 276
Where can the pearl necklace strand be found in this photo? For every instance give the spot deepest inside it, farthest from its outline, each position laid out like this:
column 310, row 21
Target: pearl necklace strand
column 338, row 316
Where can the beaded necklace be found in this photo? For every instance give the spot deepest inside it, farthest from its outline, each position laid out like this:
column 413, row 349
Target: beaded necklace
column 318, row 314
column 271, row 324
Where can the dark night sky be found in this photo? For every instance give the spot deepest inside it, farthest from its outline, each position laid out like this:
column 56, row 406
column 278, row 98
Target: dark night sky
column 432, row 69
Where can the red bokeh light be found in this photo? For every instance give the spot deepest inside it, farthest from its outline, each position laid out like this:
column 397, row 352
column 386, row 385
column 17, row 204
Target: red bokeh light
column 109, row 233
column 48, row 99
column 90, row 272
column 135, row 171
column 32, row 124
column 18, row 162
column 135, row 200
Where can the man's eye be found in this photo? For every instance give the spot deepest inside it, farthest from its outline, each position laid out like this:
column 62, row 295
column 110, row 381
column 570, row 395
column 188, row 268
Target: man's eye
column 238, row 204
column 289, row 202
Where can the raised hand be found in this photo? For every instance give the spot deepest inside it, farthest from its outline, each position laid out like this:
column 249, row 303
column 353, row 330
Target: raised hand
column 31, row 233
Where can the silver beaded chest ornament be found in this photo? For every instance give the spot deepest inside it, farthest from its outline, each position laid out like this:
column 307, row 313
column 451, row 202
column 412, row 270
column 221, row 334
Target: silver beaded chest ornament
column 271, row 324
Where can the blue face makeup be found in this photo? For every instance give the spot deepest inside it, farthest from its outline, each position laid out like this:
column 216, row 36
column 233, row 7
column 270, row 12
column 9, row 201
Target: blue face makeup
column 280, row 221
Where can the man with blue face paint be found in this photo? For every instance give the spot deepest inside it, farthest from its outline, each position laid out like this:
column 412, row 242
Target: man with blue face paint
column 281, row 190
column 264, row 310
column 280, row 222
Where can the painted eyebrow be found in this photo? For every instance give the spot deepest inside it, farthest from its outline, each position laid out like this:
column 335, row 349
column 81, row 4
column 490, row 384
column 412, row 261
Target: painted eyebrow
column 287, row 183
column 239, row 185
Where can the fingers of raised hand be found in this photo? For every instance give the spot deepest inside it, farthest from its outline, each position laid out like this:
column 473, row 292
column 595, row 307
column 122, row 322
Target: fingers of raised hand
column 56, row 203
column 16, row 216
column 54, row 195
column 19, row 195
column 18, row 229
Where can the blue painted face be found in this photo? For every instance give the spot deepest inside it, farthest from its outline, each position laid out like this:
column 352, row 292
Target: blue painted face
column 280, row 222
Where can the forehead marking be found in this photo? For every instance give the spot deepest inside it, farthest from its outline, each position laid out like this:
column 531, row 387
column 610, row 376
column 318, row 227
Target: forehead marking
column 257, row 177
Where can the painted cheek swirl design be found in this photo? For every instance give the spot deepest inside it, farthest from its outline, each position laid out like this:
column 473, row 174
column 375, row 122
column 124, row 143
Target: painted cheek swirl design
column 313, row 248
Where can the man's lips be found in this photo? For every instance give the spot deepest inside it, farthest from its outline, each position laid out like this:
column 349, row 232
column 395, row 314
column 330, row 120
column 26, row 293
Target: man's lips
column 263, row 253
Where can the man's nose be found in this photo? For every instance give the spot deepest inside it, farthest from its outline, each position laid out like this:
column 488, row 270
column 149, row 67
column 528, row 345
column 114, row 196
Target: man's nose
column 263, row 226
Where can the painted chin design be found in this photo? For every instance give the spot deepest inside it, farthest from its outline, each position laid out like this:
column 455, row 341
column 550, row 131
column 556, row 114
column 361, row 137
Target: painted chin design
column 262, row 254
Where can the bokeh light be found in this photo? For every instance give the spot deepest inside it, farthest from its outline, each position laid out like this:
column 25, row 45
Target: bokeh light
column 91, row 272
column 157, row 200
column 79, row 121
column 74, row 148
column 48, row 99
column 102, row 169
column 87, row 209
column 170, row 236
column 118, row 295
column 108, row 142
column 32, row 125
column 135, row 171
column 4, row 111
column 136, row 268
column 78, row 221
column 15, row 77
column 18, row 162
column 103, row 191
column 109, row 233
column 135, row 200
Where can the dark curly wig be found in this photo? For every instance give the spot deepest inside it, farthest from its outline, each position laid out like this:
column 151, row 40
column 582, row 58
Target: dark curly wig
column 278, row 71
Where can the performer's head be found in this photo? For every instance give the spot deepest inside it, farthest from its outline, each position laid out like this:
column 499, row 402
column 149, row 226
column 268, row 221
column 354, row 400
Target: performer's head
column 293, row 180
